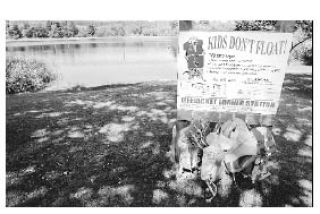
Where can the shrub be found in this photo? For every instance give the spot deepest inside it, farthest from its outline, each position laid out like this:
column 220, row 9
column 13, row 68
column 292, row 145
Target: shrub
column 26, row 75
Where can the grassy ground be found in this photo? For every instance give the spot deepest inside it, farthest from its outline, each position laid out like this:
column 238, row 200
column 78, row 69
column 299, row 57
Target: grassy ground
column 108, row 146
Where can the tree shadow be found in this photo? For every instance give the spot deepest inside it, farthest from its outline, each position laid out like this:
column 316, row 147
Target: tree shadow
column 109, row 146
column 292, row 184
column 95, row 147
column 299, row 85
column 78, row 88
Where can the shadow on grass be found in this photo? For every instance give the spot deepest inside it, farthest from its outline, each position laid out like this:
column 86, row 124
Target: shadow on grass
column 109, row 146
column 102, row 146
column 293, row 135
column 78, row 88
column 298, row 84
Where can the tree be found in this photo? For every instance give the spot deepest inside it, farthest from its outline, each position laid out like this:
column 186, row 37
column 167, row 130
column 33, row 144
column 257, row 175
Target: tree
column 137, row 29
column 26, row 30
column 185, row 25
column 307, row 28
column 121, row 31
column 174, row 26
column 48, row 25
column 91, row 30
column 73, row 29
column 69, row 30
column 306, row 52
column 7, row 26
column 256, row 25
column 40, row 32
column 56, row 31
column 14, row 32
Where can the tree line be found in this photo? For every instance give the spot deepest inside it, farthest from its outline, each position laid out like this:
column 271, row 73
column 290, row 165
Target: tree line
column 67, row 29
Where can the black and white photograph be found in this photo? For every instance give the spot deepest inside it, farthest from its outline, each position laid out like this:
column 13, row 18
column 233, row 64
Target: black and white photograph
column 158, row 113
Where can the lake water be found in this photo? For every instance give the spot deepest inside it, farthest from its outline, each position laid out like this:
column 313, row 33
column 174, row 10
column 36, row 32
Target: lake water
column 102, row 62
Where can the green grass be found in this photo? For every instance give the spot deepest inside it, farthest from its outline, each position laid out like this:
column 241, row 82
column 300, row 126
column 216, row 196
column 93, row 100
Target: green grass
column 108, row 146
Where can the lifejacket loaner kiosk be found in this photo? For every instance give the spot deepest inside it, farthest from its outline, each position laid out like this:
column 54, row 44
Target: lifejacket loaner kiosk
column 228, row 92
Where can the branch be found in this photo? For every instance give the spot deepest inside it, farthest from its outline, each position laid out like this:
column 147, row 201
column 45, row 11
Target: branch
column 294, row 46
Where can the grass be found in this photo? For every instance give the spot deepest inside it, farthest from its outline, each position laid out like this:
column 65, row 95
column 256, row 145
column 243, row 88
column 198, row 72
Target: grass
column 108, row 146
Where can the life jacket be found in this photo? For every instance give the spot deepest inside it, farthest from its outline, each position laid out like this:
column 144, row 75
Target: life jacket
column 194, row 53
column 236, row 147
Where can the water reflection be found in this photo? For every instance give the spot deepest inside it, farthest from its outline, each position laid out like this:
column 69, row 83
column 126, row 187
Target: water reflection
column 104, row 62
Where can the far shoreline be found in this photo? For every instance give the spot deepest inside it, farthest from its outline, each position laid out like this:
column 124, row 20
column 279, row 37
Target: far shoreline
column 77, row 40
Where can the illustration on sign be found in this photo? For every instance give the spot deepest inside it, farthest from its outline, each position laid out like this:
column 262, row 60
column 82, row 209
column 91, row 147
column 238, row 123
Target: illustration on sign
column 194, row 58
column 231, row 71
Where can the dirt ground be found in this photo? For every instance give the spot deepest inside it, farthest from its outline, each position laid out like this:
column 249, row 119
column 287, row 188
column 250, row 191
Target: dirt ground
column 108, row 146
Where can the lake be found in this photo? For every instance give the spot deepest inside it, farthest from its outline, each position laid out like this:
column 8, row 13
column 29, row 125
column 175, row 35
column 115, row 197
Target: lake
column 97, row 62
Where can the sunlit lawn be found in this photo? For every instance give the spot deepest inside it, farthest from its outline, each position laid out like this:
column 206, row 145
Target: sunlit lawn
column 108, row 146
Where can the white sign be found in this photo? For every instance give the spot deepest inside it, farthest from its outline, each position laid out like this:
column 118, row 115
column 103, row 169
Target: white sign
column 231, row 71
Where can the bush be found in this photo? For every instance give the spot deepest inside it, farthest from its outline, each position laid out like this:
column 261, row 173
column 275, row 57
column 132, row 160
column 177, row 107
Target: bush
column 26, row 75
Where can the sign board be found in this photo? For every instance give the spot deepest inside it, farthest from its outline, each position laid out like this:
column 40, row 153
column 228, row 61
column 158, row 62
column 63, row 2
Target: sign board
column 238, row 72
